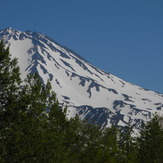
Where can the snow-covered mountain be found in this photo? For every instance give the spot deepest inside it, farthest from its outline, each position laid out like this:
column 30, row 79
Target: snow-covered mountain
column 88, row 91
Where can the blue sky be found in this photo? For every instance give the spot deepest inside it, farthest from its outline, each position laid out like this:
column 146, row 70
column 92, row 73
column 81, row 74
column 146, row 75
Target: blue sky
column 123, row 37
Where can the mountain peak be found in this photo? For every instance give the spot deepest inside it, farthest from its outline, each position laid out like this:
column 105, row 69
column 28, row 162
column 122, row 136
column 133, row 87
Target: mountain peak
column 9, row 30
column 88, row 91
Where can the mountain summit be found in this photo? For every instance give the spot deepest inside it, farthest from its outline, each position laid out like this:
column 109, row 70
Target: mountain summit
column 95, row 95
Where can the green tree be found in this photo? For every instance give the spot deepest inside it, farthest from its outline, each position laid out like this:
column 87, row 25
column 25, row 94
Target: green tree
column 109, row 145
column 151, row 141
column 9, row 91
column 88, row 143
column 83, row 141
column 9, row 86
column 27, row 132
column 127, row 146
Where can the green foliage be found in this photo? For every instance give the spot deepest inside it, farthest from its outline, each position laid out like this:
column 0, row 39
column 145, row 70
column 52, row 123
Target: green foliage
column 27, row 132
column 127, row 147
column 151, row 141
column 9, row 92
column 9, row 85
column 34, row 128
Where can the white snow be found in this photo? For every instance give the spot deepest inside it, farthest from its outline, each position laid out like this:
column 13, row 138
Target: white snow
column 70, row 85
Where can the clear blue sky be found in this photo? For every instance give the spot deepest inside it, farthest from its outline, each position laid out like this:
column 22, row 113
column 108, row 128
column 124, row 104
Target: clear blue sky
column 123, row 37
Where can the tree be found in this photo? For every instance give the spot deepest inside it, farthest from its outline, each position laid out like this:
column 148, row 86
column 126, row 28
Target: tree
column 151, row 141
column 83, row 141
column 127, row 146
column 27, row 132
column 9, row 85
column 9, row 90
column 108, row 148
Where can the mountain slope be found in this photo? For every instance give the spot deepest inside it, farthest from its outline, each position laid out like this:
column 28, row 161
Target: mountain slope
column 94, row 94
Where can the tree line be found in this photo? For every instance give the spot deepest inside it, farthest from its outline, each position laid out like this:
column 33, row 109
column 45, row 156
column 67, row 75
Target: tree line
column 34, row 128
